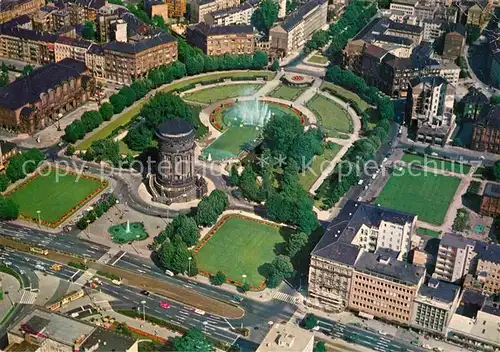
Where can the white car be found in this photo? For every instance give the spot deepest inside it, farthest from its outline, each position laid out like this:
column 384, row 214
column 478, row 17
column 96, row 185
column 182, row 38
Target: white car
column 7, row 263
column 382, row 332
column 199, row 311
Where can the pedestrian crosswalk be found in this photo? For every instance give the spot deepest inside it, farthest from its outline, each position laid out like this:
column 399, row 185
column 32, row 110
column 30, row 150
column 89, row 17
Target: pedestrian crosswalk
column 28, row 297
column 106, row 257
column 87, row 275
column 286, row 297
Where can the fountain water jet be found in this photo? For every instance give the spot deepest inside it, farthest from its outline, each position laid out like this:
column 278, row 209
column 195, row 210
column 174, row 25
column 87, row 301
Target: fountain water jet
column 253, row 112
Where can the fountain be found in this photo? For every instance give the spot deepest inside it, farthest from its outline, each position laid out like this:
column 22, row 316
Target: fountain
column 127, row 229
column 252, row 112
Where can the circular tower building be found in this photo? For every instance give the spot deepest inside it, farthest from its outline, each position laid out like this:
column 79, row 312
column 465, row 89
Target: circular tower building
column 175, row 179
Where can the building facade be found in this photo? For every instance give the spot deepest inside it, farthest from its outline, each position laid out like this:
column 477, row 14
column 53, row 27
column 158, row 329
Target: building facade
column 11, row 9
column 176, row 8
column 241, row 14
column 127, row 61
column 298, row 27
column 218, row 40
column 71, row 48
column 490, row 200
column 454, row 43
column 486, row 132
column 31, row 103
column 455, row 257
column 200, row 8
column 488, row 267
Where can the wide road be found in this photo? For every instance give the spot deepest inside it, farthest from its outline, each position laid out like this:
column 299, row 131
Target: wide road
column 130, row 297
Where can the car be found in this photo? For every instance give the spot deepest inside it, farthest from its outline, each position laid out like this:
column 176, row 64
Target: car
column 360, row 182
column 382, row 332
column 438, row 349
column 56, row 267
column 145, row 292
column 385, row 160
column 39, row 267
column 7, row 263
column 169, row 273
column 164, row 305
column 374, row 176
column 237, row 298
column 199, row 311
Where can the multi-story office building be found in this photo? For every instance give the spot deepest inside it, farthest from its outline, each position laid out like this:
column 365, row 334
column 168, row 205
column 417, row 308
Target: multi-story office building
column 430, row 108
column 126, row 61
column 218, row 40
column 433, row 306
column 488, row 266
column 200, row 8
column 11, row 9
column 33, row 102
column 358, row 227
column 385, row 287
column 72, row 48
column 298, row 27
column 425, row 10
column 94, row 60
column 486, row 132
column 455, row 257
column 241, row 14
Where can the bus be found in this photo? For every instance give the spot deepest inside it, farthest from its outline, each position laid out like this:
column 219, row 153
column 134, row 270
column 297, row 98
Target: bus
column 41, row 251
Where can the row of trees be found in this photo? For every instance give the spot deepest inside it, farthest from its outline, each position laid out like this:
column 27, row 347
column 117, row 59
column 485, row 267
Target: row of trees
column 346, row 173
column 99, row 209
column 172, row 244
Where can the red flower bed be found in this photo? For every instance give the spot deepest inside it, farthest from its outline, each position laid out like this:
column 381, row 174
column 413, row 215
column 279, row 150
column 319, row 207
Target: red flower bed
column 297, row 78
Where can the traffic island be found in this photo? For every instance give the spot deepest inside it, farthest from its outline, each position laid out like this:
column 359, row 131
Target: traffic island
column 128, row 232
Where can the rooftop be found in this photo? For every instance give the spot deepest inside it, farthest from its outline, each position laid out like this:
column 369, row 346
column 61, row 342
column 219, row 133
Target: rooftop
column 489, row 252
column 227, row 12
column 491, row 118
column 55, row 326
column 475, row 96
column 383, row 263
column 294, row 18
column 470, row 303
column 392, row 39
column 439, row 290
column 286, row 337
column 405, row 27
column 144, row 44
column 208, row 30
column 492, row 190
column 455, row 240
column 107, row 341
column 27, row 90
column 172, row 127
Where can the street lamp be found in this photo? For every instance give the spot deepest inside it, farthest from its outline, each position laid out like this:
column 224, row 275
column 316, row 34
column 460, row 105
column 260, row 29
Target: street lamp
column 244, row 276
column 59, row 121
column 143, row 310
column 39, row 219
column 189, row 265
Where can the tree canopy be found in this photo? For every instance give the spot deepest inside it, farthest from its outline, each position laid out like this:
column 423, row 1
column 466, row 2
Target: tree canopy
column 265, row 15
column 192, row 340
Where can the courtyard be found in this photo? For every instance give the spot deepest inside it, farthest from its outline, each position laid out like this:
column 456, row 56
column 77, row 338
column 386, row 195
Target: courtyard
column 56, row 194
column 331, row 116
column 213, row 94
column 240, row 246
column 417, row 192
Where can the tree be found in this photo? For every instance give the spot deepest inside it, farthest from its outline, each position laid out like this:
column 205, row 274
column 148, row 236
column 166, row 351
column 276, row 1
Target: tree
column 496, row 170
column 495, row 100
column 129, row 95
column 274, row 278
column 283, row 265
column 192, row 340
column 139, row 138
column 4, row 75
column 218, row 279
column 248, row 185
column 9, row 210
column 234, row 176
column 91, row 120
column 15, row 168
column 165, row 106
column 141, row 87
column 310, row 321
column 70, row 150
column 174, row 255
column 280, row 134
column 320, row 345
column 473, row 34
column 88, row 30
column 74, row 131
column 106, row 111
column 275, row 66
column 27, row 70
column 105, row 150
column 296, row 242
column 210, row 207
column 118, row 102
column 244, row 287
column 428, row 150
column 186, row 228
column 265, row 15
column 260, row 59
column 4, row 182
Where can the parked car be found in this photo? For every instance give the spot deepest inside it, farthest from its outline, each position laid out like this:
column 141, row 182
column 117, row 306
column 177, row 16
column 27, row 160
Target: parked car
column 164, row 305
column 145, row 292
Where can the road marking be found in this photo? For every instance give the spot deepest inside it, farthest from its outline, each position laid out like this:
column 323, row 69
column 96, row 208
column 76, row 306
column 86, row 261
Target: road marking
column 129, row 290
column 141, row 271
column 120, row 257
column 181, row 318
column 90, row 251
column 177, row 322
column 71, row 278
column 146, row 266
column 183, row 312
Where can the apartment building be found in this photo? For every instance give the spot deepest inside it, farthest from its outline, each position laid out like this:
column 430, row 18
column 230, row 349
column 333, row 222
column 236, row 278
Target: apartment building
column 27, row 45
column 43, row 19
column 486, row 131
column 72, row 48
column 433, row 29
column 176, row 8
column 473, row 103
column 455, row 257
column 84, row 10
column 490, row 200
column 385, row 287
column 105, row 17
column 488, row 266
column 358, row 227
column 298, row 27
column 31, row 103
column 405, row 7
column 200, row 8
column 94, row 60
column 287, row 337
column 62, row 19
column 433, row 306
column 241, row 14
column 156, row 8
column 429, row 105
column 454, row 43
column 126, row 61
column 218, row 40
column 11, row 9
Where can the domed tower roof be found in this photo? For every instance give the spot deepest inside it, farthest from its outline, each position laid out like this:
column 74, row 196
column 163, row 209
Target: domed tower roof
column 174, row 128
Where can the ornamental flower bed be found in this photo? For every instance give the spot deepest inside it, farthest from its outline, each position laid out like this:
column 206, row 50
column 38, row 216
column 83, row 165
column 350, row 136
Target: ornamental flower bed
column 297, row 78
column 214, row 229
column 47, row 169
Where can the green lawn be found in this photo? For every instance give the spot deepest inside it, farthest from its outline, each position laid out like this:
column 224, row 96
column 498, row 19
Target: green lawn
column 240, row 246
column 318, row 165
column 330, row 115
column 54, row 194
column 232, row 142
column 287, row 92
column 434, row 163
column 427, row 195
column 426, row 232
column 318, row 59
column 346, row 94
column 125, row 117
column 211, row 95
